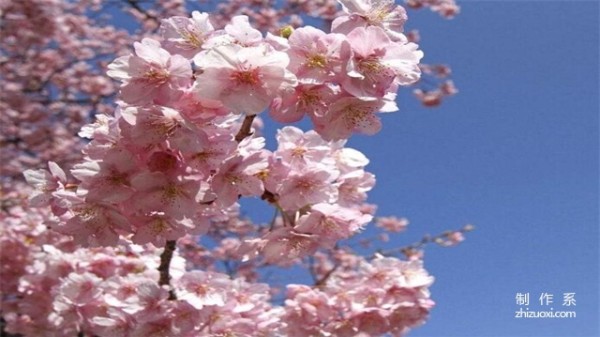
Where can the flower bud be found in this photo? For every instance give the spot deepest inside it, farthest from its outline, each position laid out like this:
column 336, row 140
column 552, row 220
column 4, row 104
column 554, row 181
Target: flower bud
column 286, row 31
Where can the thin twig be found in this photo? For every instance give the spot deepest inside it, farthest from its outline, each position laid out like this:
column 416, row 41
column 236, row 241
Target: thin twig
column 137, row 7
column 427, row 239
column 321, row 282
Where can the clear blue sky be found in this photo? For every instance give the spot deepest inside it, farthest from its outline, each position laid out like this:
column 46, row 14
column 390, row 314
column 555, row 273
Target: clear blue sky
column 515, row 153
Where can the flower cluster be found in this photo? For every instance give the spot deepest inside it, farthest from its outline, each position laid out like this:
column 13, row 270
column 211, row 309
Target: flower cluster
column 52, row 288
column 169, row 166
column 384, row 296
column 54, row 79
column 174, row 156
column 339, row 79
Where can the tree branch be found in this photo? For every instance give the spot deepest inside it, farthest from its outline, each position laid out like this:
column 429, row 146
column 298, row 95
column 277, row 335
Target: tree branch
column 246, row 128
column 165, row 262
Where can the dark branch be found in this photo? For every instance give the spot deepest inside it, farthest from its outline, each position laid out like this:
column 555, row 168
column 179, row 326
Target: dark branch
column 246, row 129
column 135, row 5
column 165, row 262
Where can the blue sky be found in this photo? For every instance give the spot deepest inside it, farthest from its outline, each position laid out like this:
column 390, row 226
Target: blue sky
column 515, row 153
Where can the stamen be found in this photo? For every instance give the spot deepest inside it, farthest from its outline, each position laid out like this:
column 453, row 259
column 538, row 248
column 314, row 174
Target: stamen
column 316, row 61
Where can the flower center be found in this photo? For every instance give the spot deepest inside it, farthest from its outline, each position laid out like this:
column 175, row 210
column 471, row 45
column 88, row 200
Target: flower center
column 316, row 61
column 170, row 193
column 247, row 77
column 356, row 116
column 380, row 12
column 308, row 98
column 370, row 65
column 159, row 226
column 156, row 75
column 298, row 152
column 191, row 39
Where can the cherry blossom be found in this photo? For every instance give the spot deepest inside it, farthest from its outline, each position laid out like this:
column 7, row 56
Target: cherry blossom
column 94, row 224
column 332, row 223
column 381, row 13
column 186, row 36
column 316, row 57
column 242, row 32
column 392, row 224
column 305, row 99
column 157, row 192
column 46, row 183
column 107, row 180
column 377, row 62
column 145, row 233
column 244, row 79
column 446, row 8
column 152, row 74
column 310, row 186
column 349, row 115
column 237, row 177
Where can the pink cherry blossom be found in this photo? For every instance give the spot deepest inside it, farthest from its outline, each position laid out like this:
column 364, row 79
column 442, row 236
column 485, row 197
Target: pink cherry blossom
column 107, row 180
column 283, row 246
column 315, row 56
column 381, row 13
column 45, row 184
column 199, row 111
column 206, row 154
column 349, row 115
column 202, row 289
column 431, row 98
column 237, row 177
column 244, row 79
column 448, row 88
column 378, row 62
column 151, row 126
column 353, row 187
column 152, row 74
column 149, row 302
column 186, row 36
column 294, row 103
column 306, row 187
column 145, row 236
column 156, row 192
column 332, row 223
column 117, row 324
column 159, row 327
column 451, row 238
column 80, row 289
column 307, row 310
column 446, row 8
column 156, row 228
column 242, row 32
column 94, row 224
column 297, row 148
column 392, row 224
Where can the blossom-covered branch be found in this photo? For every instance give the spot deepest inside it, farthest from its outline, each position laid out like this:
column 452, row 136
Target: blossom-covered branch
column 138, row 231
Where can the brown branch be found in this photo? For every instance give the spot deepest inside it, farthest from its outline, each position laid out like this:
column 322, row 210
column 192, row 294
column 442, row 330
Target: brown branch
column 165, row 262
column 246, row 129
